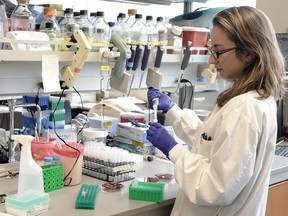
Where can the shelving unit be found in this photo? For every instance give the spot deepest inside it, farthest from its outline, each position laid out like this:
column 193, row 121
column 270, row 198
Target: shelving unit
column 21, row 69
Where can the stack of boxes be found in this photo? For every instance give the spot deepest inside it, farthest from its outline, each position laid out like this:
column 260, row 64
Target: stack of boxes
column 50, row 111
column 133, row 138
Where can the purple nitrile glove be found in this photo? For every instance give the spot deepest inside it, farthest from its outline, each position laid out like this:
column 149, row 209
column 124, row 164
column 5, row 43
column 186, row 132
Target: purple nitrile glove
column 160, row 138
column 165, row 102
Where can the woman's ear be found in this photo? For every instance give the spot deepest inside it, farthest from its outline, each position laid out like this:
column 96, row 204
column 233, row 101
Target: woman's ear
column 248, row 57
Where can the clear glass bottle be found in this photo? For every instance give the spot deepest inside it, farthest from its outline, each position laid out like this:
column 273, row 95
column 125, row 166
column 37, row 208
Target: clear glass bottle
column 122, row 29
column 49, row 29
column 22, row 18
column 101, row 28
column 139, row 32
column 162, row 32
column 85, row 25
column 153, row 37
column 76, row 15
column 68, row 25
column 131, row 16
column 92, row 17
column 50, row 17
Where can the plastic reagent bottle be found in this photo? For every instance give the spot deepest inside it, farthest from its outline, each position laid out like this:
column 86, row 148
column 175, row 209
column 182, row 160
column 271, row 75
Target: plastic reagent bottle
column 30, row 173
column 139, row 31
column 101, row 29
column 122, row 29
column 152, row 31
column 22, row 17
column 162, row 31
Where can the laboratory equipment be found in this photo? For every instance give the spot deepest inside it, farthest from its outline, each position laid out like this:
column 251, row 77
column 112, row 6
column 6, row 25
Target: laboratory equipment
column 139, row 32
column 122, row 28
column 131, row 16
column 162, row 31
column 145, row 60
column 152, row 31
column 120, row 80
column 94, row 136
column 42, row 147
column 71, row 73
column 27, row 202
column 71, row 156
column 86, row 196
column 209, row 74
column 101, row 29
column 68, row 25
column 50, row 17
column 138, row 55
column 108, row 164
column 184, row 64
column 155, row 104
column 30, row 173
column 86, row 26
column 22, row 18
column 53, row 176
column 154, row 77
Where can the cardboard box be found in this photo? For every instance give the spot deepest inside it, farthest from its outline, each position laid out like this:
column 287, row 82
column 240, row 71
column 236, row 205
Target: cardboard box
column 132, row 132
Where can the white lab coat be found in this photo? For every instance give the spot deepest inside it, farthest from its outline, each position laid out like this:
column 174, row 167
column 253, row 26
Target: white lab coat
column 228, row 175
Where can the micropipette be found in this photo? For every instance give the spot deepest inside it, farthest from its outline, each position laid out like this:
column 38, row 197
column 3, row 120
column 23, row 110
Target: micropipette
column 155, row 102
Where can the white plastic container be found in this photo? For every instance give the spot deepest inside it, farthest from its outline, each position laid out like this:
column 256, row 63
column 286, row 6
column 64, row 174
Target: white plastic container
column 94, row 136
column 28, row 203
column 30, row 173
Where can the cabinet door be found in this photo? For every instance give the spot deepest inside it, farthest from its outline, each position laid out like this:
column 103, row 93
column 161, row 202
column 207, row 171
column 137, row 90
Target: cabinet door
column 277, row 200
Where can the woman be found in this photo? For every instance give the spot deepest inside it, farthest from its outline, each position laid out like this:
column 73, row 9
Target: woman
column 228, row 169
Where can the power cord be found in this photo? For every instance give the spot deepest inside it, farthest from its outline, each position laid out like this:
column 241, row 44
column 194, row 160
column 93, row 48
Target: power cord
column 185, row 92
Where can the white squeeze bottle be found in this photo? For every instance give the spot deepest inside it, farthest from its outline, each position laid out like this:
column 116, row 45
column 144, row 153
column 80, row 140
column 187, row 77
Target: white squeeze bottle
column 30, row 173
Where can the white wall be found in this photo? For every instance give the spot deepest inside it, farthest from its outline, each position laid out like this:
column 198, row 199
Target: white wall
column 276, row 10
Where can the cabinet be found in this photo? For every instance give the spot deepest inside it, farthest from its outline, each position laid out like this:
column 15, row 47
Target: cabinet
column 277, row 199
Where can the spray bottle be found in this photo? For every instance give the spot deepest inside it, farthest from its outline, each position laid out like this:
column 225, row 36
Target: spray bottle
column 30, row 173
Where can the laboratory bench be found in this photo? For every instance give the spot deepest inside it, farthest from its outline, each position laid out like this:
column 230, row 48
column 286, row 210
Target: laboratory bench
column 62, row 202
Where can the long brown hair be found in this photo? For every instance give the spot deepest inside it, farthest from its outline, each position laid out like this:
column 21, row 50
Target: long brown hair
column 252, row 31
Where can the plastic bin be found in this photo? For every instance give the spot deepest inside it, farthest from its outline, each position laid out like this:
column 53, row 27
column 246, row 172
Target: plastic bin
column 198, row 36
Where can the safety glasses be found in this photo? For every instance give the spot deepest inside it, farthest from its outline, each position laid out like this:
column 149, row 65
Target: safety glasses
column 217, row 54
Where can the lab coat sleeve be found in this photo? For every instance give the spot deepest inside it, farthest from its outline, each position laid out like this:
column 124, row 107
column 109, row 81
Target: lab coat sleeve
column 219, row 178
column 185, row 123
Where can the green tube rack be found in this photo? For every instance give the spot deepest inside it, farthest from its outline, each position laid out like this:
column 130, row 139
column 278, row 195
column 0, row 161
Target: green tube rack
column 53, row 177
column 146, row 191
column 86, row 196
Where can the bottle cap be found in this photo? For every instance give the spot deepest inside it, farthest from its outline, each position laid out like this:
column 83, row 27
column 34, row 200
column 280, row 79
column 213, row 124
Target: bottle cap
column 149, row 18
column 48, row 159
column 83, row 12
column 132, row 11
column 138, row 16
column 159, row 19
column 100, row 13
column 22, row 1
column 49, row 12
column 121, row 15
column 76, row 13
column 56, row 158
column 49, row 25
column 68, row 11
column 93, row 14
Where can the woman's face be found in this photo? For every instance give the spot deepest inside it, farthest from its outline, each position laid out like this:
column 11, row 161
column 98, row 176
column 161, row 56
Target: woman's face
column 229, row 65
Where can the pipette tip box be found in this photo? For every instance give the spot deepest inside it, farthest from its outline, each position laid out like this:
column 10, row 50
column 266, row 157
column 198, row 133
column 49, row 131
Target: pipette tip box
column 86, row 196
column 30, row 202
column 146, row 191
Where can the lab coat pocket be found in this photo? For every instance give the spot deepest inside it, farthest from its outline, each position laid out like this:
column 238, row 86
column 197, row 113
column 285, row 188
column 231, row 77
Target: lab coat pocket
column 205, row 147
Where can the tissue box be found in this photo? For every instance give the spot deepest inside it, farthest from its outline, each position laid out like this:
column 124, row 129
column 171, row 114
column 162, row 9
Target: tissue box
column 127, row 130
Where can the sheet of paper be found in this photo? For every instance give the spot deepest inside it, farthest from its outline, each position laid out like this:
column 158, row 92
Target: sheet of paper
column 50, row 73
